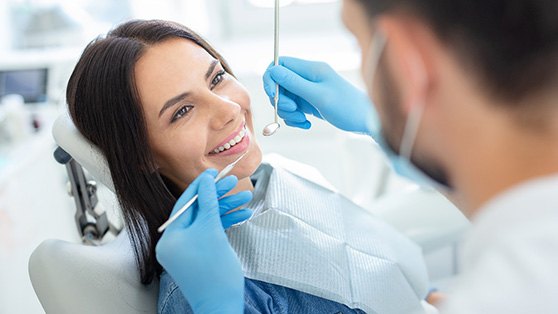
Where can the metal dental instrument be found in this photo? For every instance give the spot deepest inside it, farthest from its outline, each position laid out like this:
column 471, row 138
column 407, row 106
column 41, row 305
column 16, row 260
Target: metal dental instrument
column 223, row 173
column 271, row 128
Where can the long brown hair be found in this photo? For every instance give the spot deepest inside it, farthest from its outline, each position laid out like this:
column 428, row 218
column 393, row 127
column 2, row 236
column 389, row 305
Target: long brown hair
column 105, row 107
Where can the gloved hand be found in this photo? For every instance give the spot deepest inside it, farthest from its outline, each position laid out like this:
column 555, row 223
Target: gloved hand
column 195, row 251
column 309, row 87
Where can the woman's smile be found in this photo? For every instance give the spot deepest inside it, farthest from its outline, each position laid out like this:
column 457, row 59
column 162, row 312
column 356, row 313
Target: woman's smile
column 235, row 143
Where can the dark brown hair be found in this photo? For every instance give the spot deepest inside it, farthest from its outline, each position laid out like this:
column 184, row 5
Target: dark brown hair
column 105, row 107
column 512, row 45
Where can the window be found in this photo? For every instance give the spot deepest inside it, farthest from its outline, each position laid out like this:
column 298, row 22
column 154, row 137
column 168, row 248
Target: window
column 31, row 84
column 254, row 18
column 271, row 3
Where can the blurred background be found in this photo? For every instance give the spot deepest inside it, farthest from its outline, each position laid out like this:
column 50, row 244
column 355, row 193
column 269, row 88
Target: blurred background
column 40, row 42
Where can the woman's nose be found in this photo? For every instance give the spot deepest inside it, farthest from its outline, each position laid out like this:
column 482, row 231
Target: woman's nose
column 224, row 112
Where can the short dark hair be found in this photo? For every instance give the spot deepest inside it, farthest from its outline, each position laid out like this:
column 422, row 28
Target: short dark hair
column 105, row 107
column 511, row 44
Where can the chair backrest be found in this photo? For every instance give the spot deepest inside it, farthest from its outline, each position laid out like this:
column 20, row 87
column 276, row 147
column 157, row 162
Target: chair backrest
column 84, row 152
column 76, row 278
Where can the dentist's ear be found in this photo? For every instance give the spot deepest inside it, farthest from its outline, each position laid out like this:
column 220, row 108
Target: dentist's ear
column 407, row 57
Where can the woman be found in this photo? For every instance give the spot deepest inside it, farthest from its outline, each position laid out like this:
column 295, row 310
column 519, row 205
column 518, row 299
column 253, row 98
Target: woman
column 163, row 106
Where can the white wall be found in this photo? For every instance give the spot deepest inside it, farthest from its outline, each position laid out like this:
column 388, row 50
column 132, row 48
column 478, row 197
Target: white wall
column 5, row 34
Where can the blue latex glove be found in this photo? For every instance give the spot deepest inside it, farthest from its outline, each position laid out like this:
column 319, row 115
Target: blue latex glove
column 195, row 251
column 309, row 87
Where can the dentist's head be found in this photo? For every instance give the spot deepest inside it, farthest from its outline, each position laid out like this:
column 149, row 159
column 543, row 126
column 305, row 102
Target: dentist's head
column 162, row 105
column 465, row 90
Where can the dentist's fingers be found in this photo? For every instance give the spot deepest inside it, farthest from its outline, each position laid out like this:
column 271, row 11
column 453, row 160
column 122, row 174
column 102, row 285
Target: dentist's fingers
column 236, row 217
column 208, row 205
column 301, row 125
column 234, row 201
column 287, row 79
column 191, row 190
column 287, row 101
column 225, row 185
column 293, row 114
column 292, row 82
column 303, row 105
column 310, row 70
column 268, row 84
column 186, row 218
column 296, row 116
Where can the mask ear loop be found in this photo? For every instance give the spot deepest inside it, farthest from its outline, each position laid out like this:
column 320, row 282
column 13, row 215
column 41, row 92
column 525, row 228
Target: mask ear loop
column 378, row 44
column 410, row 131
column 414, row 117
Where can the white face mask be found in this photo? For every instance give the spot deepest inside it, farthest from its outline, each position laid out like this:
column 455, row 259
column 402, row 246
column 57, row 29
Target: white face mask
column 401, row 163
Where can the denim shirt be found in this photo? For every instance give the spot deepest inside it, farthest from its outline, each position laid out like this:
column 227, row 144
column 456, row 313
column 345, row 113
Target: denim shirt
column 259, row 297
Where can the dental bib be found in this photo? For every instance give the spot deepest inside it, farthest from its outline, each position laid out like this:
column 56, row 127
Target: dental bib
column 306, row 236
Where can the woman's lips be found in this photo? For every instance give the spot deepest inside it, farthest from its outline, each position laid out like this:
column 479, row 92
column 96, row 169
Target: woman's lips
column 233, row 140
column 239, row 148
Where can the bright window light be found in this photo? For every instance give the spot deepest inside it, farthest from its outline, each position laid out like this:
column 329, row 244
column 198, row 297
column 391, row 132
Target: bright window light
column 271, row 3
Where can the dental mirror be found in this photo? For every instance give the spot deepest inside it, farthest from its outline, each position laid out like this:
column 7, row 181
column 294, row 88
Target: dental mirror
column 271, row 128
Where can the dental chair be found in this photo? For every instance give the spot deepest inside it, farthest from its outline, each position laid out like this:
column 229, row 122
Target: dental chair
column 92, row 276
column 99, row 277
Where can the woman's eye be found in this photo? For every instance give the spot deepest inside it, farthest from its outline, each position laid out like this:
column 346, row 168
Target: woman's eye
column 181, row 112
column 218, row 78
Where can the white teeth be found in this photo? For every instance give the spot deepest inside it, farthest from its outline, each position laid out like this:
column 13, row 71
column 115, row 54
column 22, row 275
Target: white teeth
column 232, row 142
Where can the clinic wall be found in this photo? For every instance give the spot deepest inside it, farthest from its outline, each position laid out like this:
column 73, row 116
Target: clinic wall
column 5, row 34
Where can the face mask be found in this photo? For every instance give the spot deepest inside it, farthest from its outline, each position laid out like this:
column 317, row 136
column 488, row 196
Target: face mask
column 401, row 163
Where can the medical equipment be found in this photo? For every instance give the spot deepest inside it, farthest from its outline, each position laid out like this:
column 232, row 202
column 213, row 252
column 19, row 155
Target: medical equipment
column 219, row 176
column 271, row 128
column 40, row 76
column 31, row 84
column 91, row 219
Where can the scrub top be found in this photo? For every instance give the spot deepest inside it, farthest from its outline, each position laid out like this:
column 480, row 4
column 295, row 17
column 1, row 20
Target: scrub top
column 510, row 258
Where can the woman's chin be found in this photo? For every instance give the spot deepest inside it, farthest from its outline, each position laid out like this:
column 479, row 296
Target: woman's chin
column 249, row 164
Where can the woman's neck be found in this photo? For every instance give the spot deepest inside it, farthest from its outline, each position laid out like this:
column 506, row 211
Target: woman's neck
column 244, row 184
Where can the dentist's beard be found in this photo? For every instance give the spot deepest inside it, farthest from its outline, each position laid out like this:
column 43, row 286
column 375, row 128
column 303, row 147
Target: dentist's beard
column 394, row 127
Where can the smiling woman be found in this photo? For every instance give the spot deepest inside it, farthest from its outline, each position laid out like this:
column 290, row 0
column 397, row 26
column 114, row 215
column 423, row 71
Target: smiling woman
column 192, row 106
column 163, row 106
column 158, row 100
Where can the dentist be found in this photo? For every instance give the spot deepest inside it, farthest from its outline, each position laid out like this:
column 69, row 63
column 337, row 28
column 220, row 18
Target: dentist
column 466, row 95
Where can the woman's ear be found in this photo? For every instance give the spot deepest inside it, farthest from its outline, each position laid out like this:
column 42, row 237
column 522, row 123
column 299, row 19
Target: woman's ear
column 407, row 59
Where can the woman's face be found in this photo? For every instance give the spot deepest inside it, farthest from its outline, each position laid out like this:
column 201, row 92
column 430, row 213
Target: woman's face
column 194, row 112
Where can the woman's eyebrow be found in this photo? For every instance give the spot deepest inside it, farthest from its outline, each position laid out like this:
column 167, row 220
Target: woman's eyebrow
column 211, row 68
column 176, row 99
column 173, row 101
